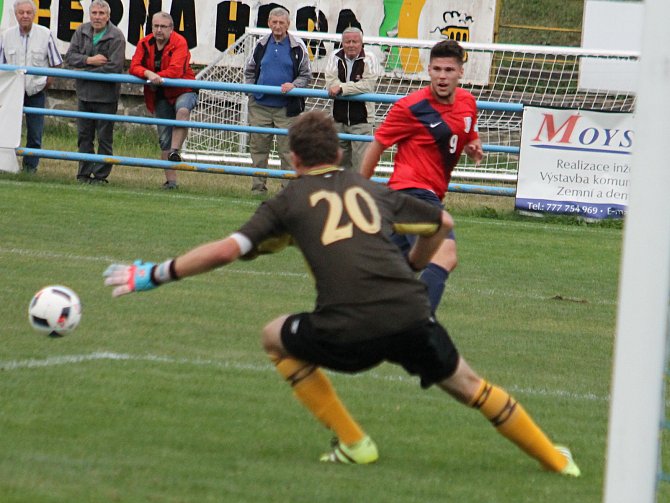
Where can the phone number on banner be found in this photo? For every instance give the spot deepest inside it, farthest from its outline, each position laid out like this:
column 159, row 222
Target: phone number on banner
column 588, row 210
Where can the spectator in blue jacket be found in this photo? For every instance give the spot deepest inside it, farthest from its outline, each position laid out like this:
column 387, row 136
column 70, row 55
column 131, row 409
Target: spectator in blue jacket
column 279, row 59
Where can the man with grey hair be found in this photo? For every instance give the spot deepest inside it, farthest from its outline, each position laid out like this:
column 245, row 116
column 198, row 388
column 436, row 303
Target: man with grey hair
column 29, row 44
column 279, row 59
column 99, row 47
column 350, row 71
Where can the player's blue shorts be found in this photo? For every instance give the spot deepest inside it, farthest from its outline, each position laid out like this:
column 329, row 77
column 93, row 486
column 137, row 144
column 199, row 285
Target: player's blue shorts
column 406, row 241
column 425, row 349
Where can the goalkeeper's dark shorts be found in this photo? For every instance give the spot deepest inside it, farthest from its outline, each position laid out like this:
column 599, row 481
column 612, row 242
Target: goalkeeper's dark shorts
column 425, row 350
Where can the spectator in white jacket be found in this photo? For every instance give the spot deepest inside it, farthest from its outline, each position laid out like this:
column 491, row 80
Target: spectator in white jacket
column 29, row 44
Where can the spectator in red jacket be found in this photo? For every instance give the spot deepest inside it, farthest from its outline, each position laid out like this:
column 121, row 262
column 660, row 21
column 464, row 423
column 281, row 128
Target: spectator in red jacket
column 164, row 54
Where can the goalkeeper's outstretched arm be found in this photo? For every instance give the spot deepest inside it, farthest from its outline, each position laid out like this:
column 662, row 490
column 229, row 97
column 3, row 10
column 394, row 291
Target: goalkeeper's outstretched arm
column 142, row 276
column 208, row 256
column 425, row 246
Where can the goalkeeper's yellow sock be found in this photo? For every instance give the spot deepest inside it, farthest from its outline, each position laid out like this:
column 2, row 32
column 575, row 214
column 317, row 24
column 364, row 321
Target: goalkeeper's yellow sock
column 314, row 390
column 514, row 423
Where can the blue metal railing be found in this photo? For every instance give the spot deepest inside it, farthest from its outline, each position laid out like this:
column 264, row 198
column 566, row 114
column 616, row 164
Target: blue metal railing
column 133, row 119
column 231, row 87
column 226, row 170
column 235, row 87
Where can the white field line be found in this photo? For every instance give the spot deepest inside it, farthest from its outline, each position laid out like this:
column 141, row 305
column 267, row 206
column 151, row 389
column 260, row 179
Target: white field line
column 52, row 361
column 487, row 292
column 254, row 203
column 49, row 255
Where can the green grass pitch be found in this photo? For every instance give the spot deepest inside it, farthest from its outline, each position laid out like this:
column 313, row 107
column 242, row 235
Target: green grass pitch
column 167, row 396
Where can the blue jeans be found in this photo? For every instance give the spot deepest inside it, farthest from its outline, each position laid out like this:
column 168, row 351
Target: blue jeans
column 34, row 129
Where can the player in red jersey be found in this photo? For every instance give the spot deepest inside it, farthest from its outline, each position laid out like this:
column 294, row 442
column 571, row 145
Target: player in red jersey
column 431, row 127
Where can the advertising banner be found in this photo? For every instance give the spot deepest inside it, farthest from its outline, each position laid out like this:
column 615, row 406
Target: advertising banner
column 11, row 111
column 575, row 162
column 11, row 107
column 8, row 161
column 211, row 26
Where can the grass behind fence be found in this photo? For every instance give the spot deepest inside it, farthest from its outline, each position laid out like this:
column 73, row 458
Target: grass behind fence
column 166, row 396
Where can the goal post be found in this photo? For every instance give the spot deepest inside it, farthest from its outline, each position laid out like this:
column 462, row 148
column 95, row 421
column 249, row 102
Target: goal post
column 638, row 402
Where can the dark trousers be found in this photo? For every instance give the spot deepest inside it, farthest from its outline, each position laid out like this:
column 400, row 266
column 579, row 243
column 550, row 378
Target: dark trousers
column 87, row 129
column 34, row 129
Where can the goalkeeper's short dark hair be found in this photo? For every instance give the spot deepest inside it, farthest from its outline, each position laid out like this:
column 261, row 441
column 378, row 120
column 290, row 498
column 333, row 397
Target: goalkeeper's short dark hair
column 313, row 138
column 448, row 49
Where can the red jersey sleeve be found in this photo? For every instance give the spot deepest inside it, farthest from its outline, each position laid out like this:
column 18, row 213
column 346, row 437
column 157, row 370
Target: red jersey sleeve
column 395, row 127
column 137, row 67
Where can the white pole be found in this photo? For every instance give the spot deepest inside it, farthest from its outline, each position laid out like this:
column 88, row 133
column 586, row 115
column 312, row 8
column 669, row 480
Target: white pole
column 642, row 322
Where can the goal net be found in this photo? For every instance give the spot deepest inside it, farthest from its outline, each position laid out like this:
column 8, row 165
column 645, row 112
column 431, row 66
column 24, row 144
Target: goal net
column 528, row 75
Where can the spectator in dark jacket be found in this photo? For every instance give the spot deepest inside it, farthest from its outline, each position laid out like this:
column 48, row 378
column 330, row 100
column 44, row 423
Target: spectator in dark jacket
column 165, row 54
column 279, row 59
column 349, row 71
column 97, row 46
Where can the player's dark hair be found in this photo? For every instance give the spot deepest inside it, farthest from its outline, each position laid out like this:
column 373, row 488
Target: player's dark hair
column 448, row 49
column 313, row 138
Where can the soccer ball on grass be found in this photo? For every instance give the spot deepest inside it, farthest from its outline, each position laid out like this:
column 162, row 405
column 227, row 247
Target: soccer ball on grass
column 55, row 310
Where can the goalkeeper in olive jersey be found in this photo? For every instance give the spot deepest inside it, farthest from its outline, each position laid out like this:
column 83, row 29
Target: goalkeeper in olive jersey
column 370, row 307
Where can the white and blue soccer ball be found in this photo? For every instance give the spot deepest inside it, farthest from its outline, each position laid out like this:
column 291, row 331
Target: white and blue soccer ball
column 55, row 310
